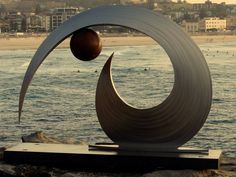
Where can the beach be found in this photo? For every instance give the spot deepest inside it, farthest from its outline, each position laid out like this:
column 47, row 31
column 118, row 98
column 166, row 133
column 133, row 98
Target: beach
column 16, row 43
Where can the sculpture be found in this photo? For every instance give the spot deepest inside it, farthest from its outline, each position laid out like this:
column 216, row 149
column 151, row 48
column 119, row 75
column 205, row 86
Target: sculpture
column 85, row 44
column 168, row 125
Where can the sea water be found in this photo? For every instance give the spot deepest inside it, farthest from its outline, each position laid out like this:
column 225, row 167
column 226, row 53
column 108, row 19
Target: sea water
column 61, row 98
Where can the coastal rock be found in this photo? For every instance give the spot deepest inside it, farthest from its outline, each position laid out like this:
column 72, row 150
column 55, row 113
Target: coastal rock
column 190, row 173
column 228, row 164
column 7, row 170
column 40, row 137
column 1, row 152
column 34, row 171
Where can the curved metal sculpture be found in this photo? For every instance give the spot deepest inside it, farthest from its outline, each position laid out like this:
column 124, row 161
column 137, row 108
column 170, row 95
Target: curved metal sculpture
column 170, row 124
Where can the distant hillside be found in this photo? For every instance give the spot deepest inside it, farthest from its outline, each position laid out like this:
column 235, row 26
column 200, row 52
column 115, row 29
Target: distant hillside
column 46, row 5
column 30, row 5
column 91, row 3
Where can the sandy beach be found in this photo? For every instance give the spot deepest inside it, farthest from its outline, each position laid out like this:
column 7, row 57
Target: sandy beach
column 17, row 43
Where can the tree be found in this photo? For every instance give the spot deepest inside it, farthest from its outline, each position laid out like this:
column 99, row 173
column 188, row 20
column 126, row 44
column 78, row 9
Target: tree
column 220, row 11
column 23, row 24
column 187, row 16
column 203, row 13
column 37, row 9
column 2, row 8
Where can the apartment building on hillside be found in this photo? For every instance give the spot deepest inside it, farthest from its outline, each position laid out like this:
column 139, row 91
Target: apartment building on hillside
column 59, row 15
column 212, row 24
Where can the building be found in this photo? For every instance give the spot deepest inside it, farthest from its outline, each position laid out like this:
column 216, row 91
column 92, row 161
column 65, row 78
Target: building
column 233, row 11
column 46, row 23
column 4, row 26
column 3, row 11
column 38, row 23
column 59, row 15
column 150, row 4
column 208, row 5
column 231, row 23
column 212, row 24
column 177, row 16
column 190, row 26
column 133, row 1
column 33, row 23
column 17, row 22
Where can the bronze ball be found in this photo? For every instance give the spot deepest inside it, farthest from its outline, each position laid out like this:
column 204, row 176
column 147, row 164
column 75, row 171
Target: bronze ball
column 85, row 44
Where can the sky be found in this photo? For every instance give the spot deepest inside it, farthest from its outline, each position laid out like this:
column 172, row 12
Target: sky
column 214, row 1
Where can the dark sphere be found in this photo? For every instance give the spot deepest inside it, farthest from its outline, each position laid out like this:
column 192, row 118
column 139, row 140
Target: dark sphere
column 85, row 44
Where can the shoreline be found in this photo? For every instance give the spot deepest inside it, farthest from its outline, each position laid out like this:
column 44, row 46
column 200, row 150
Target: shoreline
column 25, row 43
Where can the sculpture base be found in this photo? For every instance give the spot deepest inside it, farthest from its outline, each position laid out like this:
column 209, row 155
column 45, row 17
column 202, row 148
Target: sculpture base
column 93, row 158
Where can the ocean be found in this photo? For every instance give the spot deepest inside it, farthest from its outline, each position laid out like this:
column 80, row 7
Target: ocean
column 61, row 98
